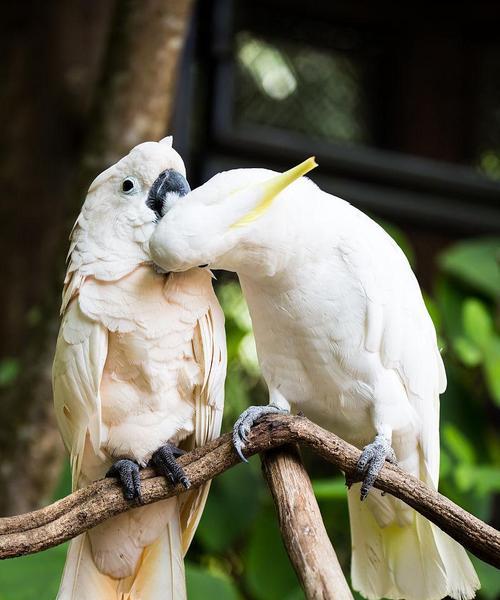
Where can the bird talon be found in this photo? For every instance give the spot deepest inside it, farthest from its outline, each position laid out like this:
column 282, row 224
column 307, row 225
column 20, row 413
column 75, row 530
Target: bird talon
column 244, row 431
column 127, row 473
column 185, row 482
column 164, row 461
column 238, row 446
column 371, row 461
column 245, row 422
column 176, row 451
column 392, row 457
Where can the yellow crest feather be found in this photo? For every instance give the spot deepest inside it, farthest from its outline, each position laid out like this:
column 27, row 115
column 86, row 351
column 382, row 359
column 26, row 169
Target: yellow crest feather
column 272, row 187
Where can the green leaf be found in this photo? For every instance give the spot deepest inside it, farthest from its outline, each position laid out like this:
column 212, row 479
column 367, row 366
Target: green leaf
column 491, row 368
column 297, row 594
column 450, row 299
column 476, row 263
column 248, row 355
column 330, row 489
column 234, row 335
column 34, row 577
column 467, row 351
column 231, row 508
column 234, row 305
column 64, row 484
column 433, row 310
column 269, row 575
column 478, row 324
column 486, row 479
column 9, row 370
column 464, row 477
column 236, row 394
column 445, row 466
column 203, row 584
column 489, row 578
column 489, row 163
column 459, row 446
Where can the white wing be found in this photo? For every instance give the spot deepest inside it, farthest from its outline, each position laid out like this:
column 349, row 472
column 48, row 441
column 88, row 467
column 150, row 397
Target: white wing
column 81, row 352
column 209, row 347
column 399, row 328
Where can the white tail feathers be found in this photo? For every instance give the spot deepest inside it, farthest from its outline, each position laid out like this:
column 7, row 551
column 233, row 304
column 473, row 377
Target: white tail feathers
column 159, row 574
column 414, row 561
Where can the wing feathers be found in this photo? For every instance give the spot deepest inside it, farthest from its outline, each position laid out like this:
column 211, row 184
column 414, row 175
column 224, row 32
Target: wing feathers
column 209, row 347
column 77, row 371
column 399, row 329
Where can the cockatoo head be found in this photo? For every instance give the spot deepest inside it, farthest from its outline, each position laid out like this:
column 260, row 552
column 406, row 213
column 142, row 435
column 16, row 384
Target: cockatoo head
column 217, row 224
column 123, row 204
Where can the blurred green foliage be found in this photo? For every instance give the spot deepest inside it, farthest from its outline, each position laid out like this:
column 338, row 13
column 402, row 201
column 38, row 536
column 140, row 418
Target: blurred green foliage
column 237, row 552
column 9, row 370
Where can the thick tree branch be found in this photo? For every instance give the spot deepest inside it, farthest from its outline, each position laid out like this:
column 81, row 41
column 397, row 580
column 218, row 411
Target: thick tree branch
column 304, row 535
column 67, row 518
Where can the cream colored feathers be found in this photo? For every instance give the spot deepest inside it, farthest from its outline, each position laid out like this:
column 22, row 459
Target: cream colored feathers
column 140, row 363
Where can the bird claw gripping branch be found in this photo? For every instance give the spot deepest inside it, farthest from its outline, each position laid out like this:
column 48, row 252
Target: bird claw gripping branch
column 127, row 473
column 163, row 460
column 246, row 421
column 372, row 459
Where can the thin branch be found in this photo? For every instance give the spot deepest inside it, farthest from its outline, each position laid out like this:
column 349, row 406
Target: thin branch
column 67, row 518
column 302, row 528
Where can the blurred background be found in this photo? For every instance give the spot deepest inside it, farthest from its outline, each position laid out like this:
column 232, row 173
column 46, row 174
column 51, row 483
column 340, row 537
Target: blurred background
column 400, row 103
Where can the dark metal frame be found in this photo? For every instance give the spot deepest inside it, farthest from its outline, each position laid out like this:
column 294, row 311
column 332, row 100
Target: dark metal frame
column 402, row 187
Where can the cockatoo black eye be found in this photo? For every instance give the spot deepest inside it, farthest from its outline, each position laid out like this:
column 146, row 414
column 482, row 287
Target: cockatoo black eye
column 130, row 185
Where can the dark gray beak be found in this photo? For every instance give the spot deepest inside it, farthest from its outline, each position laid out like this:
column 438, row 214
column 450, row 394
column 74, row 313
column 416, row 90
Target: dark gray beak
column 167, row 182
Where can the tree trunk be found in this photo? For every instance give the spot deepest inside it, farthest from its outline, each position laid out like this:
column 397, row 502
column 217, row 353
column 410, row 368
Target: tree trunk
column 138, row 89
column 54, row 53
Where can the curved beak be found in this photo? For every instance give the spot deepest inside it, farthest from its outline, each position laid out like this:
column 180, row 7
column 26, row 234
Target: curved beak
column 168, row 182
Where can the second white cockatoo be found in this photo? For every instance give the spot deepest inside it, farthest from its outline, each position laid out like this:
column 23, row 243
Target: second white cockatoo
column 342, row 334
column 139, row 370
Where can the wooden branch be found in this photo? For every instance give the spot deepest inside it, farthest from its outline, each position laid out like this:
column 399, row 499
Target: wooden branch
column 67, row 518
column 302, row 528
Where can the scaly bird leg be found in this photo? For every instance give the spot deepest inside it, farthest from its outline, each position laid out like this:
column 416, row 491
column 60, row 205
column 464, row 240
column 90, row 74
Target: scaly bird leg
column 247, row 420
column 372, row 460
column 163, row 460
column 127, row 473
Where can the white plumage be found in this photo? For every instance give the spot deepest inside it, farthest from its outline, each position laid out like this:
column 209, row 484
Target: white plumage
column 140, row 361
column 342, row 334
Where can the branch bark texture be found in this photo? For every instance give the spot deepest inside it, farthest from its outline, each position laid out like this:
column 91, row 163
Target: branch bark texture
column 82, row 510
column 302, row 528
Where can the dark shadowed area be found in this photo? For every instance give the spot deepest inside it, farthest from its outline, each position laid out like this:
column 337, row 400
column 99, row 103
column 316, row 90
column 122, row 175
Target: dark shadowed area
column 400, row 104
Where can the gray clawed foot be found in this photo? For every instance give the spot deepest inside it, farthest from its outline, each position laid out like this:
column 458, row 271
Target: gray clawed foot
column 127, row 473
column 371, row 462
column 246, row 421
column 163, row 460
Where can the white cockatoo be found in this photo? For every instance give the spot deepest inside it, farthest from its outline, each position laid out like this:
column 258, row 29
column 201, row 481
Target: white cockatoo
column 139, row 369
column 343, row 335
